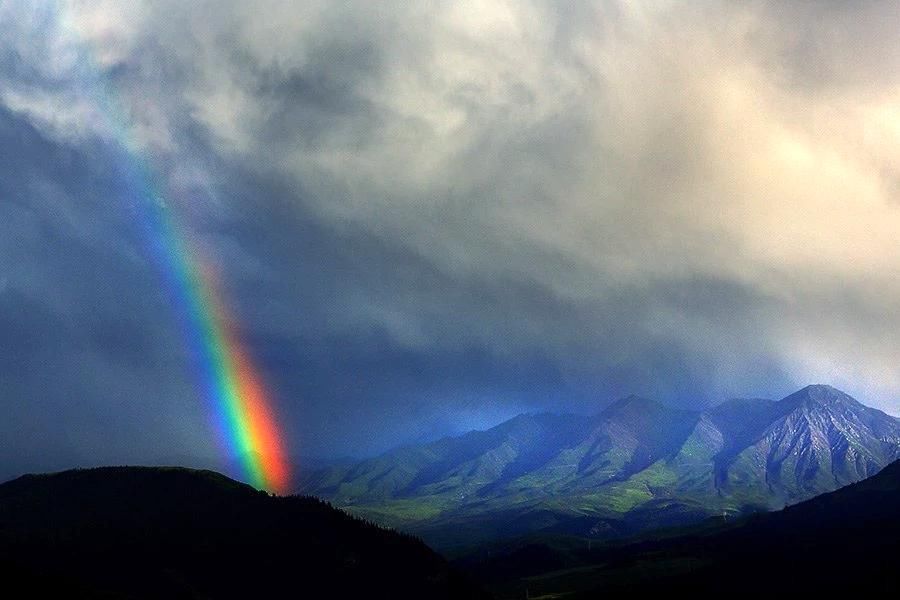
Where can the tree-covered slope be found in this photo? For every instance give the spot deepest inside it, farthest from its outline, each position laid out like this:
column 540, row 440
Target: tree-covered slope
column 176, row 533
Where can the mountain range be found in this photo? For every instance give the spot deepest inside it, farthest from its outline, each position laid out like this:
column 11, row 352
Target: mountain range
column 637, row 465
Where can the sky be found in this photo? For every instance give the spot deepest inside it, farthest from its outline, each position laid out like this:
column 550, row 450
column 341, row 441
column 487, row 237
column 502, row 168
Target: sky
column 430, row 217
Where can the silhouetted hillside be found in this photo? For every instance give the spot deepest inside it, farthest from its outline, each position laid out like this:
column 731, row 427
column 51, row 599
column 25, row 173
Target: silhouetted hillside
column 177, row 533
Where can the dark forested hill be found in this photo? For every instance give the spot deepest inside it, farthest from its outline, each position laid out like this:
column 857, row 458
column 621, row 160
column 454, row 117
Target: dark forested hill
column 178, row 533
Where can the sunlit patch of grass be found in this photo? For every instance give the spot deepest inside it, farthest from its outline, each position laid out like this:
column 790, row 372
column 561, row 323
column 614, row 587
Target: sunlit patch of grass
column 398, row 512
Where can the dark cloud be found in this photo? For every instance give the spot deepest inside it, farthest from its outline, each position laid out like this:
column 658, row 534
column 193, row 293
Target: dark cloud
column 92, row 366
column 429, row 218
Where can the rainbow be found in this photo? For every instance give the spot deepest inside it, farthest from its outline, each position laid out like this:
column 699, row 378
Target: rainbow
column 241, row 407
column 230, row 380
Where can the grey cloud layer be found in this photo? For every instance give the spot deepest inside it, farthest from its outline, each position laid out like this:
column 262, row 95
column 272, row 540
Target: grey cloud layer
column 551, row 204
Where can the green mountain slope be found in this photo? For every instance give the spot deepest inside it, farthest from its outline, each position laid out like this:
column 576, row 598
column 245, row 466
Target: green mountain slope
column 843, row 543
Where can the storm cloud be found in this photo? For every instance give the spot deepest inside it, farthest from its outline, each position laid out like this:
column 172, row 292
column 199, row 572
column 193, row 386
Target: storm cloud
column 432, row 216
